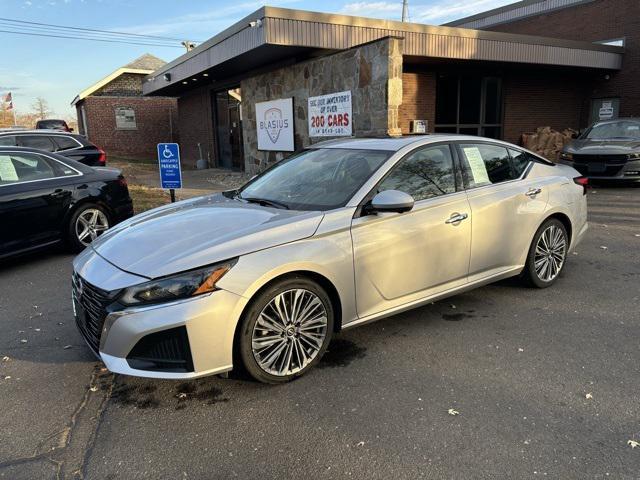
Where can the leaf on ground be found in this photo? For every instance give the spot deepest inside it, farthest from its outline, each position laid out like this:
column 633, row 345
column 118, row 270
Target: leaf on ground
column 452, row 411
column 521, row 350
column 24, row 340
column 633, row 443
column 67, row 347
column 5, row 359
column 181, row 395
column 588, row 396
column 360, row 444
column 94, row 389
column 8, row 377
column 604, row 247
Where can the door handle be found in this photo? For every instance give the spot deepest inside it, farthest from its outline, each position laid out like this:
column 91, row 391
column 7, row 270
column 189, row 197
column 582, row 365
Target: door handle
column 58, row 192
column 532, row 192
column 456, row 218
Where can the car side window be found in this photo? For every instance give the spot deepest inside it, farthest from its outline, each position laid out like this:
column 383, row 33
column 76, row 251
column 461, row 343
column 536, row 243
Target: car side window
column 40, row 142
column 24, row 167
column 64, row 143
column 425, row 173
column 485, row 164
column 7, row 141
column 519, row 161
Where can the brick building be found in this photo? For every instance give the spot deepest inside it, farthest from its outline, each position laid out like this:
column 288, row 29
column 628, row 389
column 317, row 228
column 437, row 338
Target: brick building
column 113, row 114
column 496, row 79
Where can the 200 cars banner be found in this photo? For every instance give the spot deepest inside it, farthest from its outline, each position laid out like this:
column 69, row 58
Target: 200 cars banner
column 330, row 115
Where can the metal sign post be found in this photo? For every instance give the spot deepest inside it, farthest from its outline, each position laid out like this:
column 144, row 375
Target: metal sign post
column 170, row 172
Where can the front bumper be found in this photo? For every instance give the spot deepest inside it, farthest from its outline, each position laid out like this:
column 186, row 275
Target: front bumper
column 208, row 322
column 628, row 171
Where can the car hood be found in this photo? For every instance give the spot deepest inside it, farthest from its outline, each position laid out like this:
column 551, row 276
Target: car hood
column 603, row 147
column 198, row 232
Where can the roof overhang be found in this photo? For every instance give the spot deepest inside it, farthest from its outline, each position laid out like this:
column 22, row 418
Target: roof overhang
column 109, row 78
column 271, row 34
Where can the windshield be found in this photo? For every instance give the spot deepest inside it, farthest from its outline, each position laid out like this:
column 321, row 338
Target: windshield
column 317, row 179
column 624, row 129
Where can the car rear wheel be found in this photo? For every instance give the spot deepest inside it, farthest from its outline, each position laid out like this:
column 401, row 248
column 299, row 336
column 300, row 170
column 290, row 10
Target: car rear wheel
column 87, row 223
column 547, row 254
column 286, row 330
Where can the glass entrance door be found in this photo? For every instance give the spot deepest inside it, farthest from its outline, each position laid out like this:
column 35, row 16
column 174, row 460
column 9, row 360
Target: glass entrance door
column 228, row 125
column 469, row 104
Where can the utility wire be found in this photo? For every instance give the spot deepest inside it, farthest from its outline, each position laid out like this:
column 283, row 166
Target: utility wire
column 90, row 39
column 82, row 36
column 92, row 30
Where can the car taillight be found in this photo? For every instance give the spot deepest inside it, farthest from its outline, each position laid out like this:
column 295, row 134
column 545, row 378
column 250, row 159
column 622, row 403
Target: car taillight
column 102, row 159
column 584, row 181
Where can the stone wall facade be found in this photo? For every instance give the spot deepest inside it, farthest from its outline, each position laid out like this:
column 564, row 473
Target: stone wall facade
column 372, row 72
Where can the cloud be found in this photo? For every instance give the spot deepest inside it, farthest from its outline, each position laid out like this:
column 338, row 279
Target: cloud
column 440, row 11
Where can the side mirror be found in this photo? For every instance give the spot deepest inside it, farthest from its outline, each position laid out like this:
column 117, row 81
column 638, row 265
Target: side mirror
column 392, row 201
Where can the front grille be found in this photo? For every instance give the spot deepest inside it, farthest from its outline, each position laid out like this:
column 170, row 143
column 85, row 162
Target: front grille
column 91, row 310
column 163, row 351
column 599, row 165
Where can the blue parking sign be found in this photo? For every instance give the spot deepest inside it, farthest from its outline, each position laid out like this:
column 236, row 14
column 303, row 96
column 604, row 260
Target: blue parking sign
column 169, row 161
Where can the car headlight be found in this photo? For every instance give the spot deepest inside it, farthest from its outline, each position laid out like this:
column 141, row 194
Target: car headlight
column 633, row 156
column 566, row 156
column 175, row 287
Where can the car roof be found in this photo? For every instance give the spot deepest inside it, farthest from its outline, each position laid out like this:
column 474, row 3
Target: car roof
column 69, row 161
column 397, row 143
column 36, row 131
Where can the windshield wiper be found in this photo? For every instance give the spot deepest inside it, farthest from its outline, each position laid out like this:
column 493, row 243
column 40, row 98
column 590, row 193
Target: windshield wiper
column 264, row 201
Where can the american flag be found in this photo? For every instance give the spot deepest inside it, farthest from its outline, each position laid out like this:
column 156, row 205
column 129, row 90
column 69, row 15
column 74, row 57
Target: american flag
column 8, row 100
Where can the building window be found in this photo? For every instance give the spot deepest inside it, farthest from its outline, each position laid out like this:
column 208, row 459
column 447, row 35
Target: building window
column 469, row 105
column 125, row 118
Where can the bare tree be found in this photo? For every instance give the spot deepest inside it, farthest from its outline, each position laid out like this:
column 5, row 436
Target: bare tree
column 41, row 108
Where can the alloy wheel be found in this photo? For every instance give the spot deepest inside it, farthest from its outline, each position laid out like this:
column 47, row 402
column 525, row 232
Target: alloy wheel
column 289, row 332
column 550, row 253
column 90, row 224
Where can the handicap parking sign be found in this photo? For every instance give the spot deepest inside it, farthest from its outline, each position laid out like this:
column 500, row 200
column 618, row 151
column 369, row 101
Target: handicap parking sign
column 169, row 161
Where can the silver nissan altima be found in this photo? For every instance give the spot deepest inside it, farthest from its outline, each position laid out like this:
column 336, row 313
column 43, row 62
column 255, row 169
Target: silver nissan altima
column 338, row 235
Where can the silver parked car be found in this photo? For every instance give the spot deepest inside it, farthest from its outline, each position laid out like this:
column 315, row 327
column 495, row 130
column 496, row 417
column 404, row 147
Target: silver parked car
column 341, row 234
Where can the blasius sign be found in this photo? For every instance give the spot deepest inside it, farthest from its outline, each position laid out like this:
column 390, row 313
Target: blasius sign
column 274, row 121
column 330, row 115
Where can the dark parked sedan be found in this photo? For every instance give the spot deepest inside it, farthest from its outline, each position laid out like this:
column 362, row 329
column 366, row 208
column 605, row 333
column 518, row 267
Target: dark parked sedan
column 46, row 199
column 608, row 150
column 75, row 147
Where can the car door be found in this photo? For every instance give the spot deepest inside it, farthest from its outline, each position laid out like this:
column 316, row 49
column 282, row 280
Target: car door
column 403, row 257
column 34, row 196
column 505, row 204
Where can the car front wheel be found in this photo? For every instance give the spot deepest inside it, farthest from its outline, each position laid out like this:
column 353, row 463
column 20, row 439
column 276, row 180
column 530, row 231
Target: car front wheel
column 286, row 330
column 547, row 254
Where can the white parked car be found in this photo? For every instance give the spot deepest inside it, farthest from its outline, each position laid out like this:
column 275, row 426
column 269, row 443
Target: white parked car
column 338, row 235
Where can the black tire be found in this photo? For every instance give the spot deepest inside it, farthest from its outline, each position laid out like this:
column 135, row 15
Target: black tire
column 74, row 243
column 532, row 277
column 263, row 302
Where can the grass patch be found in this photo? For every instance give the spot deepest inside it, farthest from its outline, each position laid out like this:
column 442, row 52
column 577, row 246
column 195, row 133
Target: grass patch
column 146, row 198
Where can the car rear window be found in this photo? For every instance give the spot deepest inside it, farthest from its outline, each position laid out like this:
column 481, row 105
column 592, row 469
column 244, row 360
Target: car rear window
column 65, row 143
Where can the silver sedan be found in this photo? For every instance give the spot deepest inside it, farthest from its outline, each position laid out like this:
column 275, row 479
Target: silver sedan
column 341, row 234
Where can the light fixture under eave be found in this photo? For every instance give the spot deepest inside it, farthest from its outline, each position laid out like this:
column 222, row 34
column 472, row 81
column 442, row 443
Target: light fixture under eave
column 194, row 79
column 184, row 82
column 205, row 74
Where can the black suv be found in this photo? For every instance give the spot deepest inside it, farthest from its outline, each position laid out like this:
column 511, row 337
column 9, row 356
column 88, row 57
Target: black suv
column 53, row 124
column 75, row 147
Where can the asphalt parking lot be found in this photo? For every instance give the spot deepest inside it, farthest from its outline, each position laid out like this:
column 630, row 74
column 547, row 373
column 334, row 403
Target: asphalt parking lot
column 546, row 383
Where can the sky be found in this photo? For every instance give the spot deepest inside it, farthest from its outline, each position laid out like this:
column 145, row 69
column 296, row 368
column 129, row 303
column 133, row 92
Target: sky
column 58, row 69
